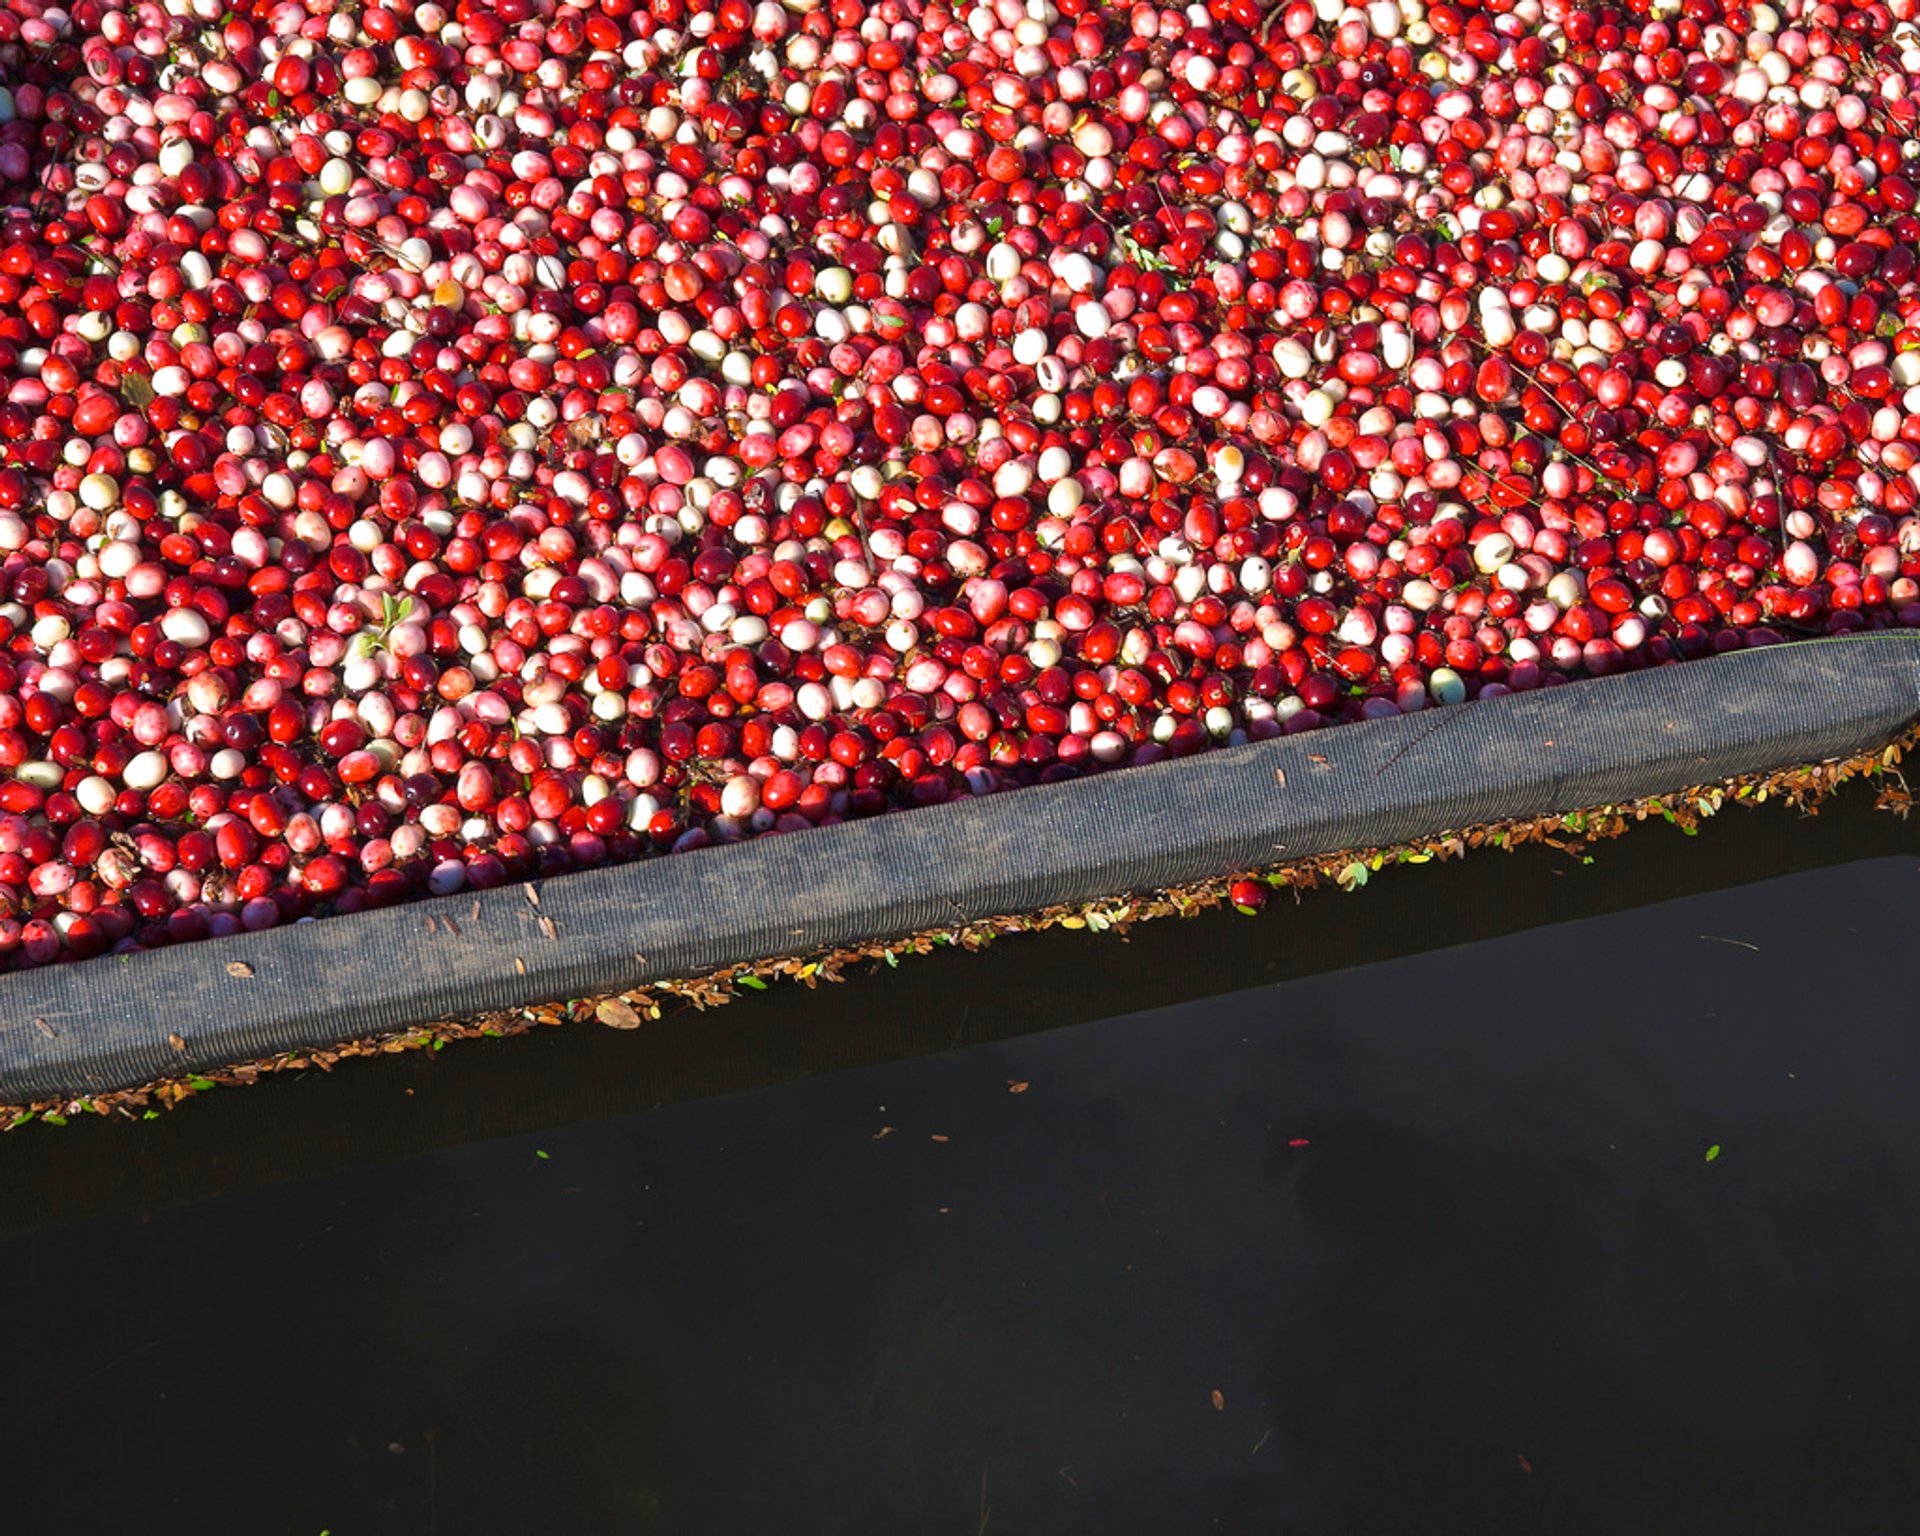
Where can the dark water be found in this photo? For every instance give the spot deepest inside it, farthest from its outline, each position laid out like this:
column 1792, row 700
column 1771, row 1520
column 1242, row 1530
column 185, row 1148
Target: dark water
column 1417, row 1180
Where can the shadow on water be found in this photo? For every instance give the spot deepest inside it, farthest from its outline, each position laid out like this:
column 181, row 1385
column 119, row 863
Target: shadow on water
column 1383, row 1213
column 368, row 1111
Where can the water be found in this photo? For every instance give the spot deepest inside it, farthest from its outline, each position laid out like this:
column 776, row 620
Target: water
column 1417, row 1180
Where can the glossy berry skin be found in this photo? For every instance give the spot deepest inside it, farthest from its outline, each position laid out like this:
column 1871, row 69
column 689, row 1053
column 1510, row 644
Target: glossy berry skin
column 443, row 444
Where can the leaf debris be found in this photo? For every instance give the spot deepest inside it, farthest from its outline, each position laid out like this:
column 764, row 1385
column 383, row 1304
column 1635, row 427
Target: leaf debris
column 1801, row 788
column 239, row 968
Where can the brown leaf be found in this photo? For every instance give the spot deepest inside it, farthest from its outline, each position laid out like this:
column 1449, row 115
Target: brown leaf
column 1280, row 777
column 451, row 926
column 239, row 968
column 44, row 1027
column 533, row 896
column 546, row 927
column 1219, row 1401
column 519, row 965
column 432, row 927
column 616, row 1014
column 1016, row 1086
column 176, row 1042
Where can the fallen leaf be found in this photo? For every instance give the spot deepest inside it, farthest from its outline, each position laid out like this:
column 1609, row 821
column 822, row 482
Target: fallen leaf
column 239, row 968
column 884, row 1132
column 44, row 1027
column 616, row 1014
column 1525, row 1465
column 938, row 1137
column 533, row 896
column 1015, row 1086
column 546, row 927
column 1713, row 1151
column 1219, row 1401
column 474, row 915
column 452, row 926
column 519, row 965
column 1280, row 777
column 176, row 1042
column 432, row 927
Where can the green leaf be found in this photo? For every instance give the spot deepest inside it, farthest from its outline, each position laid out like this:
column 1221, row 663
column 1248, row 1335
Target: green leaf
column 154, row 1114
column 537, row 1152
column 439, row 1045
column 1353, row 876
column 200, row 1084
column 754, row 982
column 1713, row 1151
column 893, row 960
column 54, row 1117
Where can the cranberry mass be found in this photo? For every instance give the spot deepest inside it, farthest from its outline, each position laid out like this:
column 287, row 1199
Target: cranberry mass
column 441, row 444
